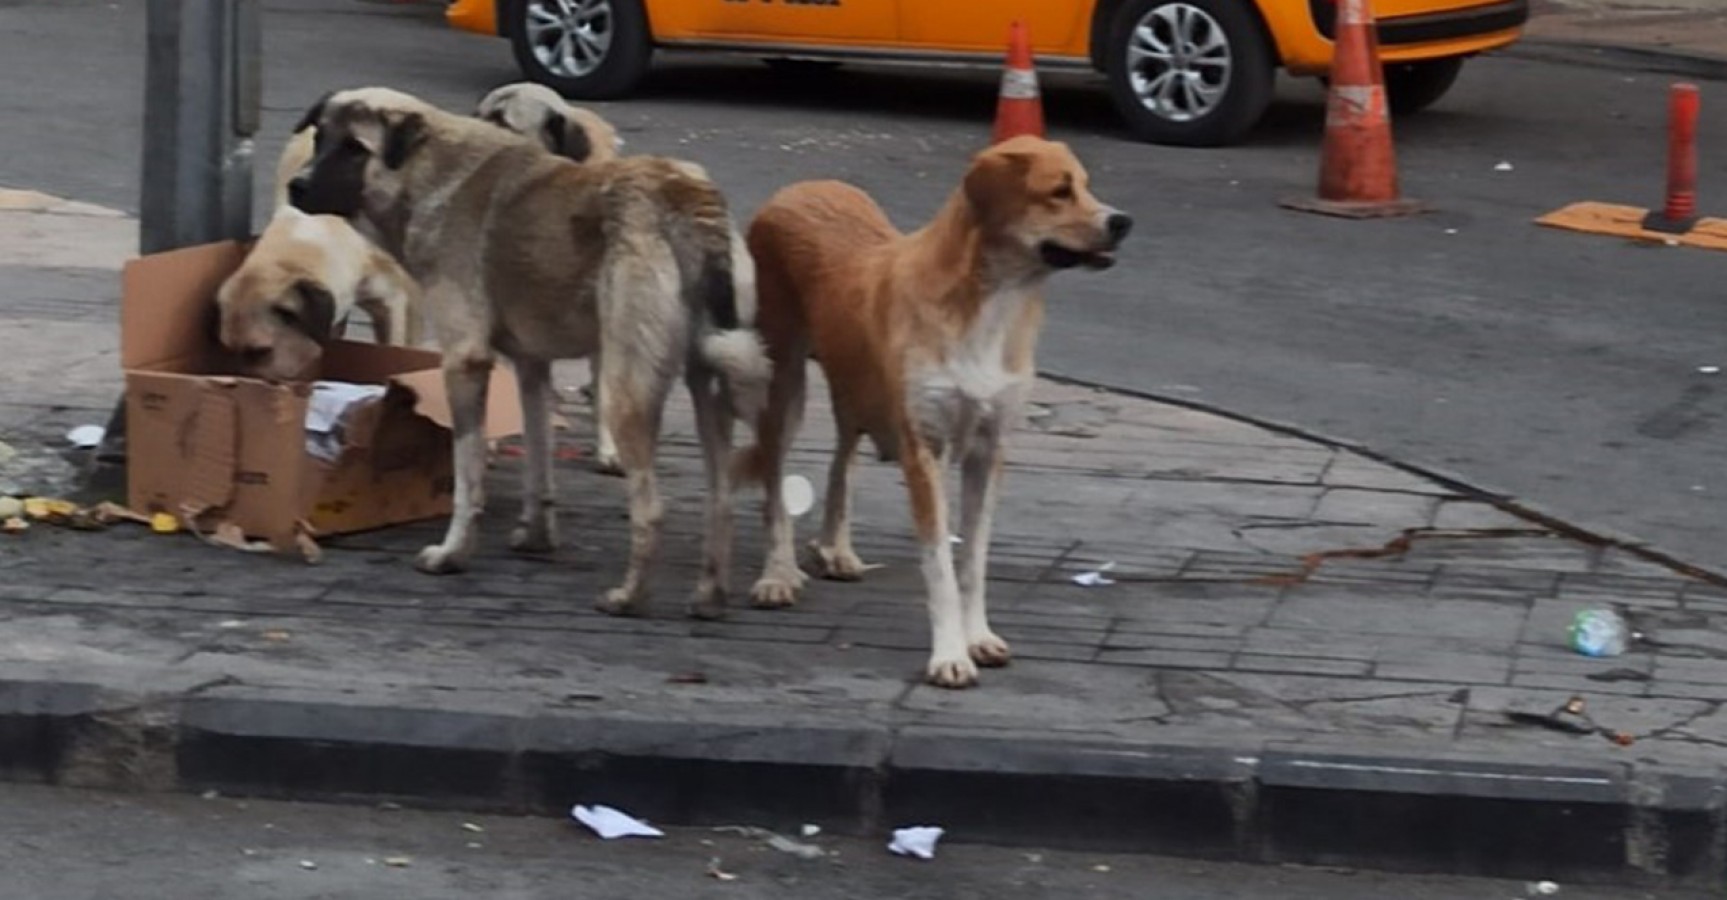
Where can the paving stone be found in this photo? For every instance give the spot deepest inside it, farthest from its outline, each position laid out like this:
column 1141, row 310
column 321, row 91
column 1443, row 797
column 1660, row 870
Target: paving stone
column 1168, row 659
column 1392, row 610
column 1477, row 515
column 1351, row 470
column 1302, row 665
column 1388, row 509
column 1310, row 643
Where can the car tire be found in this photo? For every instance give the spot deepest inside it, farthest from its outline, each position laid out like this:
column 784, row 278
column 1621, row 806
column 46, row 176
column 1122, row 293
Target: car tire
column 609, row 53
column 1160, row 85
column 1413, row 87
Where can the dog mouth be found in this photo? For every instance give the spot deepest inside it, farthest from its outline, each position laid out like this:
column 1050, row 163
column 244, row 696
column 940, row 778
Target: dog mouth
column 1057, row 256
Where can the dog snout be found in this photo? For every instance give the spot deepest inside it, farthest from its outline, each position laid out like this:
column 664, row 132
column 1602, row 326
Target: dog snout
column 1118, row 225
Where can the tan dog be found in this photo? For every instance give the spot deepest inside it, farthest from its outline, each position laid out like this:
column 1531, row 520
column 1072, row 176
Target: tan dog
column 535, row 258
column 296, row 289
column 539, row 112
column 927, row 342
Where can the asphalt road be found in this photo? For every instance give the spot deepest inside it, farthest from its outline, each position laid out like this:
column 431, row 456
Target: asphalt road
column 76, row 845
column 1556, row 367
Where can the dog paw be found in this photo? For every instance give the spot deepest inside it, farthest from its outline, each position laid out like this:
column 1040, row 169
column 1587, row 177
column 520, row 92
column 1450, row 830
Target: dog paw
column 619, row 602
column 608, row 464
column 435, row 560
column 528, row 539
column 777, row 591
column 708, row 604
column 839, row 565
column 952, row 673
column 989, row 651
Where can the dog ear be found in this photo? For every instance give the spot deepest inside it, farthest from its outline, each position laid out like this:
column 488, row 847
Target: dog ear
column 313, row 113
column 402, row 136
column 995, row 179
column 317, row 310
column 566, row 138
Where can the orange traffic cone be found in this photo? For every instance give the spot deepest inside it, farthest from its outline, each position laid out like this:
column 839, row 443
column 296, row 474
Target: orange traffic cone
column 1357, row 169
column 1020, row 108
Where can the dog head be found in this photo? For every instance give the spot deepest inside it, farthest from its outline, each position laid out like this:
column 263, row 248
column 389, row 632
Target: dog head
column 276, row 312
column 539, row 113
column 364, row 137
column 1034, row 196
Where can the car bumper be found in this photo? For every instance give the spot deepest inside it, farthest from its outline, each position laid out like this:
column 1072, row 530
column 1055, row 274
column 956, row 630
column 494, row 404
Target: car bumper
column 1470, row 22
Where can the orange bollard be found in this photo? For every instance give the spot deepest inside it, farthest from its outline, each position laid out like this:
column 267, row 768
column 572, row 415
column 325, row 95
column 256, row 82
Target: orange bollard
column 1680, row 211
column 1358, row 168
column 1019, row 110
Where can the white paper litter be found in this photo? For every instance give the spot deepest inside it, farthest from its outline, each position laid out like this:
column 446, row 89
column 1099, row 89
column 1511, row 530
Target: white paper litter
column 1095, row 578
column 327, row 411
column 918, row 841
column 1503, row 167
column 608, row 823
column 1709, row 370
column 797, row 495
column 1543, row 888
column 811, row 831
column 86, row 436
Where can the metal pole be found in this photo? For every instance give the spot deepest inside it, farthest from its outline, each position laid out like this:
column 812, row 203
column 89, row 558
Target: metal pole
column 202, row 101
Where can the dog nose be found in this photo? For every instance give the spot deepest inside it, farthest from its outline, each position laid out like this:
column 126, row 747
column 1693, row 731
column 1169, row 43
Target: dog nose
column 297, row 189
column 1119, row 224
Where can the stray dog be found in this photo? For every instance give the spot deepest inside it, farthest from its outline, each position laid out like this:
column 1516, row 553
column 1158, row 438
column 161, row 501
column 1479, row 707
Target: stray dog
column 295, row 291
column 927, row 341
column 300, row 282
column 532, row 257
column 539, row 113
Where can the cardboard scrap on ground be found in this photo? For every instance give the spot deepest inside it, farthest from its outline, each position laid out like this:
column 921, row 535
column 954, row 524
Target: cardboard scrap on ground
column 1627, row 222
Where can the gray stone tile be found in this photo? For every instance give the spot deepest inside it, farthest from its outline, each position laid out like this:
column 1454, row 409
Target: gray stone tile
column 1309, row 643
column 1300, row 665
column 1394, row 611
column 1166, row 659
column 1386, row 509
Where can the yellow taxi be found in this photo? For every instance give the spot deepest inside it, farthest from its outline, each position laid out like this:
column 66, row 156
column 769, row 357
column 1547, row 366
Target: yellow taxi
column 1187, row 72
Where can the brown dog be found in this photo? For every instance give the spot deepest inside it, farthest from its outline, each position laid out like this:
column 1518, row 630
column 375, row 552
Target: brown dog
column 927, row 342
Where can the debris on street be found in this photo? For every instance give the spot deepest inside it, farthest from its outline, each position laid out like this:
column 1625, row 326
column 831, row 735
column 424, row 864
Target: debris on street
column 1599, row 632
column 776, row 840
column 715, row 872
column 85, row 437
column 609, row 823
column 918, row 841
column 1096, row 577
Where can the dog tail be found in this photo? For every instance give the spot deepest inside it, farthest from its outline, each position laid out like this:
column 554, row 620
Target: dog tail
column 722, row 293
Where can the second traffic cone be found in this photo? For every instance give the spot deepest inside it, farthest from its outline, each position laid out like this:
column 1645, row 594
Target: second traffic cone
column 1020, row 107
column 1358, row 167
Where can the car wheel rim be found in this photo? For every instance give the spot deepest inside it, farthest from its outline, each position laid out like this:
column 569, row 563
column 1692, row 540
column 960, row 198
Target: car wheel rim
column 570, row 37
column 1179, row 62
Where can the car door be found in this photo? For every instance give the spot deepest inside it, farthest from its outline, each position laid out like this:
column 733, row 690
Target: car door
column 861, row 24
column 1056, row 27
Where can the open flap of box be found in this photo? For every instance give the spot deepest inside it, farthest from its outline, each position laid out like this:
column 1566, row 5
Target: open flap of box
column 503, row 404
column 166, row 308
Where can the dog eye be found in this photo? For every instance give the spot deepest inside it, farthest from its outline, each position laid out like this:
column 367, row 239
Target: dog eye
column 1065, row 192
column 288, row 317
column 353, row 145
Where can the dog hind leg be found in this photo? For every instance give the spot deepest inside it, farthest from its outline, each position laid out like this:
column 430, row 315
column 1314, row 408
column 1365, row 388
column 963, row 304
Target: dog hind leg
column 536, row 531
column 781, row 579
column 714, row 427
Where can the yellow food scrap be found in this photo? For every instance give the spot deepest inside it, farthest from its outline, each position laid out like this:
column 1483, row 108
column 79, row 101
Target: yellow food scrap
column 164, row 523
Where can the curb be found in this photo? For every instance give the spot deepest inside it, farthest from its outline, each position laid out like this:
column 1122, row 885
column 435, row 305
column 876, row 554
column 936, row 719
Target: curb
column 1598, row 535
column 1613, row 56
column 1237, row 798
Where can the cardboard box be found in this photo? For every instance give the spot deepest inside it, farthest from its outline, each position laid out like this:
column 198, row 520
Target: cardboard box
column 228, row 453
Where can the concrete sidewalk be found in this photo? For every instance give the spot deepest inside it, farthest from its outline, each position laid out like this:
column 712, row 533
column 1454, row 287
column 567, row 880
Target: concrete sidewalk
column 1305, row 656
column 1689, row 36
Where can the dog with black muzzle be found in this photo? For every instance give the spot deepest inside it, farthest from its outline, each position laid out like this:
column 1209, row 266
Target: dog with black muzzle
column 534, row 258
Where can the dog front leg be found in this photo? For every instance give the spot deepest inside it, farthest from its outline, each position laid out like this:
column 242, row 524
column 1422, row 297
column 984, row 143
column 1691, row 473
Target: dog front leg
column 950, row 665
column 466, row 378
column 537, row 530
column 980, row 476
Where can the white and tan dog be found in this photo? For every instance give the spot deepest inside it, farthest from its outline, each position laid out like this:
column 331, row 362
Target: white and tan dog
column 927, row 341
column 530, row 257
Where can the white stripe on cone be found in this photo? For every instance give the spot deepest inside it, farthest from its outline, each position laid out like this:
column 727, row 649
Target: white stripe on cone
column 1019, row 84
